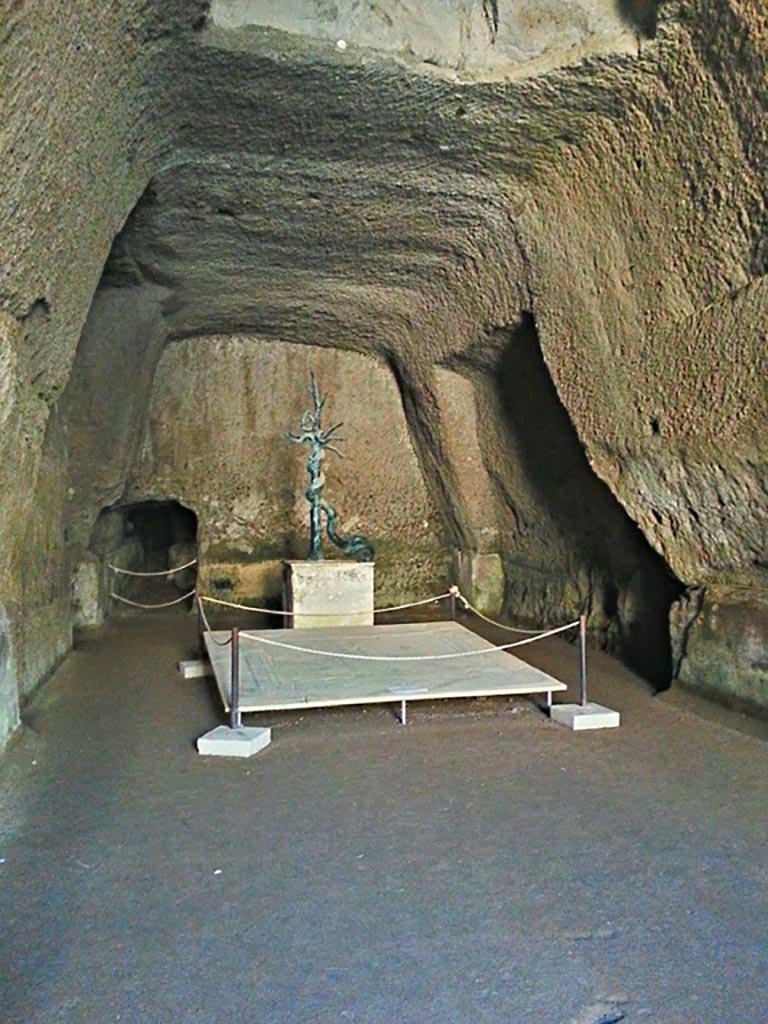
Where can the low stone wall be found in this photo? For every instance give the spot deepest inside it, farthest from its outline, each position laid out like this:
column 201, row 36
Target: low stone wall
column 720, row 635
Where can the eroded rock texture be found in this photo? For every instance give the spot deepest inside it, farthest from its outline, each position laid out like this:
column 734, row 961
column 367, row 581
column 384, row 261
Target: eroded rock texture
column 215, row 441
column 530, row 240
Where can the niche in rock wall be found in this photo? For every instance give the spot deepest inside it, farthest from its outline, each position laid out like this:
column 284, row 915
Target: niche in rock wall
column 165, row 530
column 569, row 544
column 152, row 536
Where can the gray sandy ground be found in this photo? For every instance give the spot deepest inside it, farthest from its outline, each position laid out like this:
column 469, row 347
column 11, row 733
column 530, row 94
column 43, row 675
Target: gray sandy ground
column 481, row 865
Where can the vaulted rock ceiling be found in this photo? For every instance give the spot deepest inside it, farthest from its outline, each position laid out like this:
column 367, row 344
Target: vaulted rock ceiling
column 544, row 224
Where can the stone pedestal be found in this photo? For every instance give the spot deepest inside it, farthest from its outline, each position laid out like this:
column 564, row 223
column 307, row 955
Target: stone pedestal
column 328, row 593
column 586, row 716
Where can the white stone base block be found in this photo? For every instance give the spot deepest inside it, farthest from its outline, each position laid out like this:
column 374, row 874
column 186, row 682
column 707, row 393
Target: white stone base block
column 588, row 716
column 194, row 669
column 225, row 742
column 329, row 593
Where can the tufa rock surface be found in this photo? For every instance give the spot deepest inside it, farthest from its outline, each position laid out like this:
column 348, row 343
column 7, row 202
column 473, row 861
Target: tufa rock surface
column 529, row 239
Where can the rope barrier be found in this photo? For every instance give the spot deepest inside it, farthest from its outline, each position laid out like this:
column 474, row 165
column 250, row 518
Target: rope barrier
column 409, row 657
column 492, row 622
column 162, row 572
column 206, row 623
column 322, row 615
column 452, row 592
column 412, row 604
column 149, row 607
column 245, row 607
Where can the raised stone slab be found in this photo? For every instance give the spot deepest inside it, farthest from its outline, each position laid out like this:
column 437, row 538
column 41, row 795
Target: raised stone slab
column 194, row 669
column 276, row 678
column 328, row 593
column 226, row 742
column 586, row 716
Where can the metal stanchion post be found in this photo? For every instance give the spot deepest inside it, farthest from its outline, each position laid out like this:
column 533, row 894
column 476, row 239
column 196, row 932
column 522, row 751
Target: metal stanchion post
column 235, row 720
column 200, row 628
column 453, row 605
column 583, row 660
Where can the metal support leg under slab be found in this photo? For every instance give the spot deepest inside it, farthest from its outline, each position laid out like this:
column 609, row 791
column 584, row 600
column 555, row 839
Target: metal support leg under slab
column 403, row 713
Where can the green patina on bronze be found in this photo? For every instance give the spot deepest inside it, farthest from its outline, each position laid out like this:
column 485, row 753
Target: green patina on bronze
column 312, row 433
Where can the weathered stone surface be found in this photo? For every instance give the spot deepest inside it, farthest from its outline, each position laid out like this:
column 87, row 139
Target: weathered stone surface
column 480, row 578
column 573, row 263
column 78, row 144
column 526, row 37
column 181, row 554
column 215, row 441
column 329, row 593
column 720, row 637
column 88, row 593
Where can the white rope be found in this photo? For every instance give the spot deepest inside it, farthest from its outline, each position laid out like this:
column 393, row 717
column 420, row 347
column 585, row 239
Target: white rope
column 162, row 572
column 321, row 615
column 409, row 657
column 164, row 604
column 206, row 623
column 471, row 608
column 412, row 604
column 245, row 607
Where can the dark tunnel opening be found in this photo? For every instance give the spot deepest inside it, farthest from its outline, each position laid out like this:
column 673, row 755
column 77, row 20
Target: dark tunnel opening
column 162, row 528
column 636, row 586
column 151, row 536
column 641, row 15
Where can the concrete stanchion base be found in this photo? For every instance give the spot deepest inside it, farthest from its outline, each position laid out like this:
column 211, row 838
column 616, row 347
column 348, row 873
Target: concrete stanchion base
column 194, row 669
column 225, row 742
column 587, row 716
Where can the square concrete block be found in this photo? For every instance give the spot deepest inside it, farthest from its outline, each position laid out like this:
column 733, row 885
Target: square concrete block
column 329, row 593
column 194, row 669
column 590, row 716
column 225, row 742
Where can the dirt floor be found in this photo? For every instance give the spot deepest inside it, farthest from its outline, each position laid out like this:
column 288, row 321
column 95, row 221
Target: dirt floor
column 480, row 865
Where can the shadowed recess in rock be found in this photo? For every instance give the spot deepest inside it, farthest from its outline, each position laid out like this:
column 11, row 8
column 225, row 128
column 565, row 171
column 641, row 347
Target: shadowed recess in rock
column 160, row 526
column 641, row 15
column 574, row 508
column 147, row 536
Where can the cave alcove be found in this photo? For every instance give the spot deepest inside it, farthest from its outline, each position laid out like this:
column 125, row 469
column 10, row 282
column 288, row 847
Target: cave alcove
column 161, row 528
column 632, row 587
column 146, row 536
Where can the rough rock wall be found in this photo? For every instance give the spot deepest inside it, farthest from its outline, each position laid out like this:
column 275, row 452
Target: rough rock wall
column 215, row 441
column 466, row 36
column 603, row 224
column 559, row 242
column 652, row 304
column 620, row 205
column 78, row 142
